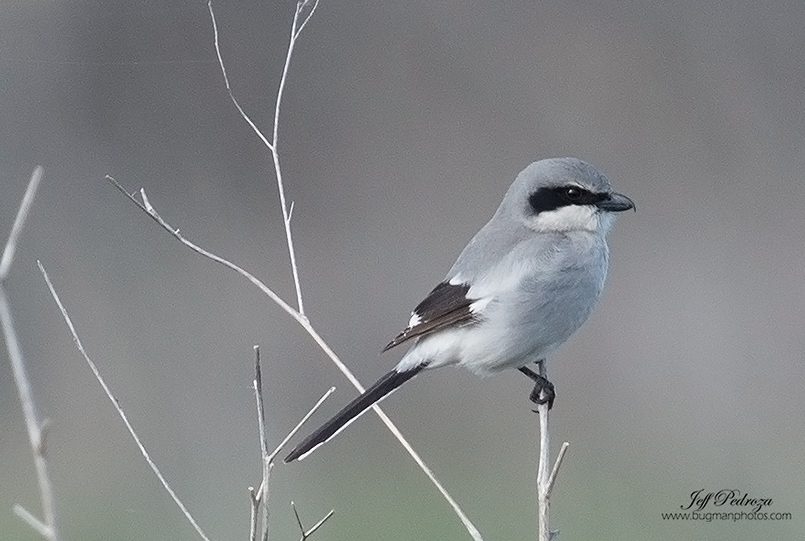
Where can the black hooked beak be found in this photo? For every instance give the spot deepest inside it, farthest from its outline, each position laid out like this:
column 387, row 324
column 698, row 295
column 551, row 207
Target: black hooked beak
column 616, row 202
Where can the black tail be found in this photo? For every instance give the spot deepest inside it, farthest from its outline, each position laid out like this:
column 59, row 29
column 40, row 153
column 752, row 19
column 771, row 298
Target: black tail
column 374, row 394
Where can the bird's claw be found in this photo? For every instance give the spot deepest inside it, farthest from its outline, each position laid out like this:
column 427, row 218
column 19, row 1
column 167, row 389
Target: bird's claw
column 543, row 393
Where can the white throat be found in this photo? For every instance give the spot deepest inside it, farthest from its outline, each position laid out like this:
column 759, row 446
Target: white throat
column 571, row 218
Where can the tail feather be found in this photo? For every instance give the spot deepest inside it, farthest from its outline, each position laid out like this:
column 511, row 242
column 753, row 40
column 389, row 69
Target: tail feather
column 374, row 394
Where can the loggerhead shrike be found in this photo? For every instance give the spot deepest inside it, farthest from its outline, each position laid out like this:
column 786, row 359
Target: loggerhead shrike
column 527, row 280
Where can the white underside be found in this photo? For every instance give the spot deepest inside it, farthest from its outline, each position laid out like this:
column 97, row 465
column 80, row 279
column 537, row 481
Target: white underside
column 522, row 316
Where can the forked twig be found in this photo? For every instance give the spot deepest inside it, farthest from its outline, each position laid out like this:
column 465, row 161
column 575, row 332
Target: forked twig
column 299, row 313
column 117, row 406
column 556, row 465
column 546, row 476
column 294, row 430
column 259, row 498
column 146, row 207
column 296, row 30
column 37, row 431
column 307, row 533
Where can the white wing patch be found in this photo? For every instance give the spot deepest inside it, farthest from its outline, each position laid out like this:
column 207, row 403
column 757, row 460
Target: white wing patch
column 478, row 306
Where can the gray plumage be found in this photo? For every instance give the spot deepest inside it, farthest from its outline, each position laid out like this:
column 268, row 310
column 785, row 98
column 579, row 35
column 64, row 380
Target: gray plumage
column 542, row 277
column 519, row 289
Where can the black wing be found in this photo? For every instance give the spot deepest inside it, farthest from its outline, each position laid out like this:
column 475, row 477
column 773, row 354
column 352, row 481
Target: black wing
column 447, row 305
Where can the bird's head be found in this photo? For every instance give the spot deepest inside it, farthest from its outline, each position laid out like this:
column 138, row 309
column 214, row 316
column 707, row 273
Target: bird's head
column 564, row 195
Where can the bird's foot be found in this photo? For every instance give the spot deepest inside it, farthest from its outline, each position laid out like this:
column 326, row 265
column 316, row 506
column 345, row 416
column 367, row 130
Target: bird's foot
column 544, row 391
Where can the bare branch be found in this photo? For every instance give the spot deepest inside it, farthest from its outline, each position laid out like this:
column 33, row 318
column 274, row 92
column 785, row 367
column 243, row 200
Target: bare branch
column 546, row 477
column 290, row 211
column 542, row 474
column 243, row 114
column 254, row 516
column 261, row 411
column 318, row 525
column 272, row 145
column 300, row 7
column 19, row 222
column 149, row 210
column 275, row 150
column 40, row 527
column 307, row 533
column 260, row 509
column 556, row 465
column 262, row 493
column 298, row 520
column 308, row 327
column 36, row 429
column 299, row 425
column 299, row 314
column 117, row 406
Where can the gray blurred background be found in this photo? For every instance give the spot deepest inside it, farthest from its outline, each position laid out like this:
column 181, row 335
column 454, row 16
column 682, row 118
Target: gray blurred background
column 403, row 125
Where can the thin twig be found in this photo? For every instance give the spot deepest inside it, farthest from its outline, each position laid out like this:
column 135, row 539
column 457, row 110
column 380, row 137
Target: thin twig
column 308, row 327
column 307, row 533
column 41, row 528
column 272, row 145
column 260, row 508
column 46, row 527
column 290, row 211
column 36, row 429
column 318, row 525
column 298, row 520
column 243, row 114
column 300, row 6
column 254, row 515
column 19, row 222
column 299, row 425
column 556, row 465
column 544, row 533
column 117, row 406
column 262, row 495
column 546, row 476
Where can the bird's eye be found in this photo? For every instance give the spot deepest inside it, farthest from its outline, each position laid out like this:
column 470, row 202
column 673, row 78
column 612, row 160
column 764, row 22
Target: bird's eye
column 573, row 193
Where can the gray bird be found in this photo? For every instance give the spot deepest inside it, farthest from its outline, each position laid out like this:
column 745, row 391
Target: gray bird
column 526, row 282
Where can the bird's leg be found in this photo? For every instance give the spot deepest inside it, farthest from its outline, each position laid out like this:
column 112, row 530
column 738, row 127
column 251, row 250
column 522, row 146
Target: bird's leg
column 541, row 384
